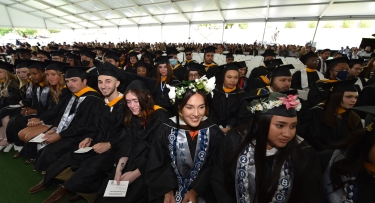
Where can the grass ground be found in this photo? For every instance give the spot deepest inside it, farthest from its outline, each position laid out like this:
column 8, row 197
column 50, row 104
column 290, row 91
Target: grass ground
column 16, row 179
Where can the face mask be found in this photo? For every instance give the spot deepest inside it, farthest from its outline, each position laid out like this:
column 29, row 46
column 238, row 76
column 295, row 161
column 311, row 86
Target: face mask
column 85, row 63
column 173, row 62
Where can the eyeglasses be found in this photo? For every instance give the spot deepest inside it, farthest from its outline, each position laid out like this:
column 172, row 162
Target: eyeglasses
column 358, row 69
column 188, row 54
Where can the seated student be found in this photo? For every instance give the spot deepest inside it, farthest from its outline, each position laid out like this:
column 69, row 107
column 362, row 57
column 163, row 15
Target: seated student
column 58, row 90
column 91, row 166
column 173, row 59
column 164, row 77
column 133, row 59
column 143, row 69
column 316, row 94
column 38, row 103
column 88, row 60
column 243, row 82
column 113, row 58
column 332, row 120
column 226, row 100
column 73, row 60
column 142, row 119
column 76, row 119
column 189, row 136
column 367, row 95
column 355, row 69
column 350, row 166
column 303, row 79
column 180, row 70
column 194, row 71
column 262, row 75
column 211, row 67
column 229, row 58
column 9, row 95
column 268, row 55
column 265, row 160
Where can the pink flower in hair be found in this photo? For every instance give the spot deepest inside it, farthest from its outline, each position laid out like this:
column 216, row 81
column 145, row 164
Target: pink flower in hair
column 291, row 101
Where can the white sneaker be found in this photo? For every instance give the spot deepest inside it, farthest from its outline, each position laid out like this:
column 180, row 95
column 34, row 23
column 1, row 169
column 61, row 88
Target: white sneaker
column 2, row 147
column 8, row 148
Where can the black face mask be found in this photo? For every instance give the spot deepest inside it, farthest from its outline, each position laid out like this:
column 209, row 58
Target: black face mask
column 85, row 63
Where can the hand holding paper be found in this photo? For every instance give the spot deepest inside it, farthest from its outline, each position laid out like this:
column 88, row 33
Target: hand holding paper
column 114, row 190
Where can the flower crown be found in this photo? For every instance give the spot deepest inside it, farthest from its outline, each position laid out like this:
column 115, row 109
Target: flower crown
column 275, row 99
column 202, row 83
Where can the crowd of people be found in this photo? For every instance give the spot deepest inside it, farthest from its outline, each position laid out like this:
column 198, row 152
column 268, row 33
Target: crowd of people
column 182, row 131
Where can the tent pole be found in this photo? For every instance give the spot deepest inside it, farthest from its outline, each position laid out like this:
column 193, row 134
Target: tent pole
column 316, row 28
column 222, row 34
column 264, row 31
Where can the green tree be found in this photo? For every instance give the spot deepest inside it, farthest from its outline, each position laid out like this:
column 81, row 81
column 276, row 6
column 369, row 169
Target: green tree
column 4, row 31
column 329, row 25
column 243, row 25
column 365, row 24
column 53, row 31
column 290, row 25
column 312, row 24
column 26, row 32
column 229, row 25
column 347, row 23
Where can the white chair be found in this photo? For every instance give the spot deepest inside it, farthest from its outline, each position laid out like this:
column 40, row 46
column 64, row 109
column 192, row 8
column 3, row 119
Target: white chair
column 180, row 56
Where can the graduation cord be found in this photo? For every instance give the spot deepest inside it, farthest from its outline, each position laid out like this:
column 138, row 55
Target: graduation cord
column 162, row 88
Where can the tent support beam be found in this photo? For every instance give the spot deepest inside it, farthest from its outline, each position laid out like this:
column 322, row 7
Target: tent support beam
column 316, row 28
column 264, row 31
column 10, row 19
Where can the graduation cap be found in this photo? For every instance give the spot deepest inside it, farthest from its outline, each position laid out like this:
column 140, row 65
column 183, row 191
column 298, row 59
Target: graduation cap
column 6, row 66
column 209, row 49
column 282, row 70
column 143, row 64
column 73, row 56
column 149, row 56
column 54, row 65
column 242, row 64
column 133, row 54
column 338, row 85
column 281, row 110
column 75, row 71
column 229, row 56
column 355, row 61
column 18, row 63
column 136, row 82
column 76, row 47
column 332, row 62
column 98, row 48
column 57, row 53
column 230, row 66
column 196, row 67
column 188, row 50
column 110, row 70
column 273, row 63
column 23, row 51
column 163, row 59
column 307, row 56
column 44, row 53
column 268, row 52
column 35, row 64
column 172, row 51
column 88, row 53
column 113, row 55
column 158, row 52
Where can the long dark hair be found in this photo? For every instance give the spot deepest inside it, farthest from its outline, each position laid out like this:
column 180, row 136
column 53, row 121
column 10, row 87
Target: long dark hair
column 265, row 190
column 329, row 116
column 170, row 76
column 356, row 148
column 189, row 93
column 146, row 103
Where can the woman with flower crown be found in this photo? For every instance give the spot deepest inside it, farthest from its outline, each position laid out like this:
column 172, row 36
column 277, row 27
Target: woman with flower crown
column 226, row 100
column 181, row 158
column 265, row 161
column 349, row 166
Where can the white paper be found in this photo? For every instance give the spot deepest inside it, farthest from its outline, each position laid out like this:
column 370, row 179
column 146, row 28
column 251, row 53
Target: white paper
column 303, row 94
column 14, row 106
column 83, row 150
column 38, row 139
column 114, row 190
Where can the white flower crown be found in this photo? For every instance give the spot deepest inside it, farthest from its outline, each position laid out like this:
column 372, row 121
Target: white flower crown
column 275, row 100
column 203, row 83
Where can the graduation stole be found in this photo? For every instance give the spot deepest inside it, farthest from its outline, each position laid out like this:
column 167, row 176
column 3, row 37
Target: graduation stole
column 246, row 174
column 227, row 90
column 2, row 81
column 156, row 107
column 114, row 102
column 340, row 110
column 42, row 96
column 83, row 91
column 184, row 167
column 209, row 65
column 310, row 70
column 265, row 80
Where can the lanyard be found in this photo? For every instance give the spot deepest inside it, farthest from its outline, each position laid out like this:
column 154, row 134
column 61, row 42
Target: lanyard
column 162, row 88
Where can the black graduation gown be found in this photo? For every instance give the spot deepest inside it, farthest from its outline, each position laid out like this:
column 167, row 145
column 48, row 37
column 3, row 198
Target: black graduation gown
column 367, row 96
column 138, row 140
column 161, row 97
column 86, row 123
column 90, row 167
column 13, row 98
column 214, row 71
column 224, row 172
column 131, row 69
column 180, row 71
column 224, row 107
column 312, row 77
column 160, row 176
column 18, row 122
column 320, row 135
column 366, row 183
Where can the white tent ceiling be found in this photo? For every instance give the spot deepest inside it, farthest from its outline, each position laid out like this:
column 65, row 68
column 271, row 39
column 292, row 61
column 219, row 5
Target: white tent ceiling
column 71, row 14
